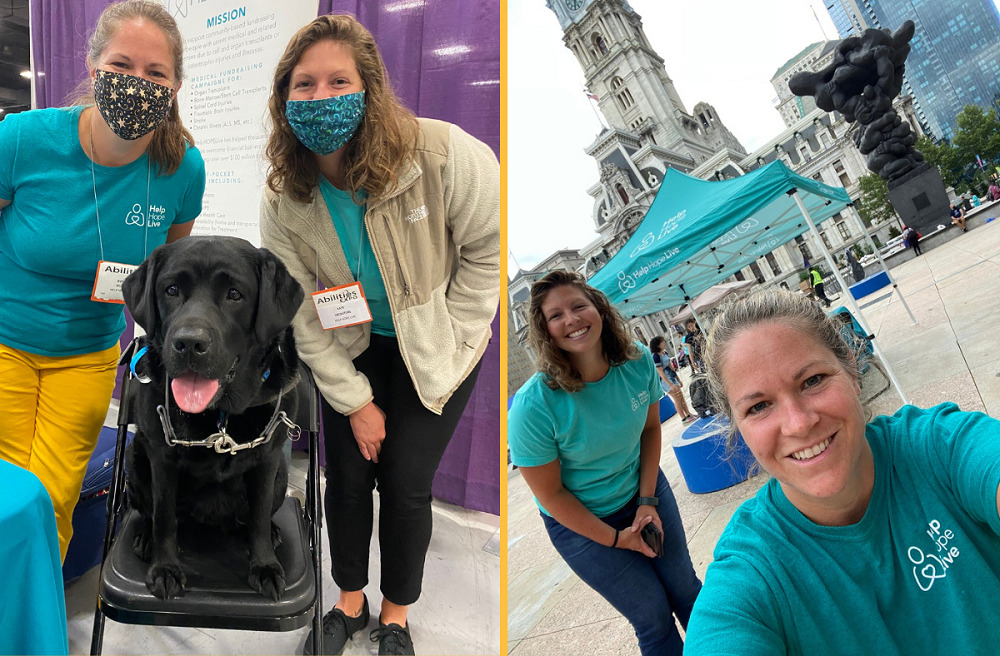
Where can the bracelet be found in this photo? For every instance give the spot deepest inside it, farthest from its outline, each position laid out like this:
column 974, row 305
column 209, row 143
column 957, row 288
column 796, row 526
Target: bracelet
column 616, row 539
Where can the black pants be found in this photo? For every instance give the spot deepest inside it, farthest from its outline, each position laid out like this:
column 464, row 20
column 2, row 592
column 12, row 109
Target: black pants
column 414, row 442
column 819, row 292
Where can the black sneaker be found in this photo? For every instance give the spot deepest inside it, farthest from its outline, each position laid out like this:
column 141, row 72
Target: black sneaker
column 392, row 639
column 338, row 629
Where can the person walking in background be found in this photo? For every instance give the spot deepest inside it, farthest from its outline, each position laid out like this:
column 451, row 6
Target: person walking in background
column 873, row 536
column 85, row 188
column 695, row 343
column 994, row 191
column 958, row 216
column 405, row 214
column 585, row 433
column 673, row 385
column 911, row 239
column 816, row 278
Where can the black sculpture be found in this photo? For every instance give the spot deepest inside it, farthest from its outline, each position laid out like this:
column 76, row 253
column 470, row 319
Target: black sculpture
column 861, row 82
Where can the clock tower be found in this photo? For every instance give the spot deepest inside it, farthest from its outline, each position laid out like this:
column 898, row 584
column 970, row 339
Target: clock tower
column 650, row 128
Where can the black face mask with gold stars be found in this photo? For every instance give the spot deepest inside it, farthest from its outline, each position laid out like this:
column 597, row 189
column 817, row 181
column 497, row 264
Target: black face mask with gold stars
column 131, row 106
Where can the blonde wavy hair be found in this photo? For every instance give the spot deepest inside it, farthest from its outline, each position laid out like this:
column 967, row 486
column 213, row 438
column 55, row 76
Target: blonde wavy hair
column 170, row 138
column 384, row 142
column 617, row 344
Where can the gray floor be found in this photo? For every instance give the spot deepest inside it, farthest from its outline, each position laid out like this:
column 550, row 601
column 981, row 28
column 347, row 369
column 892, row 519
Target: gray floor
column 951, row 354
column 458, row 612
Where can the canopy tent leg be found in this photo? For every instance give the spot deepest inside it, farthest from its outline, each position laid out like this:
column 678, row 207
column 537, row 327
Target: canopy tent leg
column 878, row 254
column 850, row 299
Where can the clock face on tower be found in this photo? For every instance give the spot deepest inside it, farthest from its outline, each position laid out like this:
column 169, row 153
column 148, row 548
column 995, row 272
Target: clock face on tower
column 573, row 5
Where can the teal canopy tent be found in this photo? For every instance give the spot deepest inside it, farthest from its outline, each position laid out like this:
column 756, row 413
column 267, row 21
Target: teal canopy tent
column 699, row 232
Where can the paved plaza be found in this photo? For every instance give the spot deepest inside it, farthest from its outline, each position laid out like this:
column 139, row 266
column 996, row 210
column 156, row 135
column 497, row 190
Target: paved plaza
column 951, row 354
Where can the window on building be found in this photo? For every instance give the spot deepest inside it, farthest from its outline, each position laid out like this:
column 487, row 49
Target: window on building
column 663, row 326
column 845, row 234
column 600, row 47
column 826, row 240
column 739, row 276
column 818, row 177
column 838, row 167
column 824, row 140
column 638, row 333
column 803, row 247
column 622, row 193
column 757, row 273
column 772, row 262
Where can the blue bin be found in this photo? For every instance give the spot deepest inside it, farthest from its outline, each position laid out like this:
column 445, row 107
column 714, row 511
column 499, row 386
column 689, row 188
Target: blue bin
column 701, row 453
column 869, row 285
column 667, row 409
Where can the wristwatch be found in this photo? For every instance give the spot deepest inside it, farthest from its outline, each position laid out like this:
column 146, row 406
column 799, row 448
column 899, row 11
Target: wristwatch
column 647, row 501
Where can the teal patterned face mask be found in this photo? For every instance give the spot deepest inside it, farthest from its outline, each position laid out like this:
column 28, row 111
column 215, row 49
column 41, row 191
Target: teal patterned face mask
column 325, row 125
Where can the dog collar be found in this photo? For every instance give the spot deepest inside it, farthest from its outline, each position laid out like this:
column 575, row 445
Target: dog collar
column 221, row 441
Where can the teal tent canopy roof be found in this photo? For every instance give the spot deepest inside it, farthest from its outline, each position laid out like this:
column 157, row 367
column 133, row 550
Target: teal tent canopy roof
column 699, row 232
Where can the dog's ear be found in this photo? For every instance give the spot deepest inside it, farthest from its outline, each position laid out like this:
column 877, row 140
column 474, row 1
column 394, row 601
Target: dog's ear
column 278, row 298
column 139, row 290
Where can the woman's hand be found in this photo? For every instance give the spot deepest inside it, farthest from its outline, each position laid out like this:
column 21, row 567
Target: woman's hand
column 368, row 426
column 631, row 537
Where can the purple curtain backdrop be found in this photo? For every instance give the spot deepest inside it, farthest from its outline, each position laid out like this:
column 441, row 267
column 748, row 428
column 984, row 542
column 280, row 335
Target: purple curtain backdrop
column 444, row 62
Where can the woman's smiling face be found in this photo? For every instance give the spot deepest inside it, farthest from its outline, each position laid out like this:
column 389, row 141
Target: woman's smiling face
column 572, row 320
column 800, row 413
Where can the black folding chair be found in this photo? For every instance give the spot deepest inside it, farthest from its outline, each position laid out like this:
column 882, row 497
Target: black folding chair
column 217, row 595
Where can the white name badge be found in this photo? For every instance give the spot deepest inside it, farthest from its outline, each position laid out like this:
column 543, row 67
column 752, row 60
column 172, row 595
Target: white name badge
column 108, row 281
column 342, row 306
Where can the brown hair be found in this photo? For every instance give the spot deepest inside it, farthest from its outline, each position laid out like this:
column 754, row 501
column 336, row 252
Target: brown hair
column 170, row 138
column 617, row 344
column 384, row 142
column 773, row 306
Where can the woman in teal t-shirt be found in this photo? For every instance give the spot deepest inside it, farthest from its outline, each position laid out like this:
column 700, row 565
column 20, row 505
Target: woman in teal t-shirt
column 85, row 190
column 878, row 537
column 585, row 435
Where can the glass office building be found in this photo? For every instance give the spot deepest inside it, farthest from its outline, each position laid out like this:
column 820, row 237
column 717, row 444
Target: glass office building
column 955, row 53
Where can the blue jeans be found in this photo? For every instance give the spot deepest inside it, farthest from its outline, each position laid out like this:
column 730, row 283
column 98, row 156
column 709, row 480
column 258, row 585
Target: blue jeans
column 649, row 592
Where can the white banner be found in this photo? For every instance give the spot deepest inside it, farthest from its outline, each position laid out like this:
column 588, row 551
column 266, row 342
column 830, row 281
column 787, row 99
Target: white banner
column 230, row 51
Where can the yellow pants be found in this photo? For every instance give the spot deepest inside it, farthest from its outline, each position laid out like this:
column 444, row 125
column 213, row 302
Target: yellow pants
column 53, row 409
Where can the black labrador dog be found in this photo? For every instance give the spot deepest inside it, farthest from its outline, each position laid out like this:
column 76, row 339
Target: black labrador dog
column 221, row 367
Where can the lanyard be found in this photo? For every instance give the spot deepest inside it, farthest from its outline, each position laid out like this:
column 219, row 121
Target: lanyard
column 97, row 209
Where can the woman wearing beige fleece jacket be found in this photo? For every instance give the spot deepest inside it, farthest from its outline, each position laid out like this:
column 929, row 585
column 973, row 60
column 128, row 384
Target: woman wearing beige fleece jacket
column 398, row 219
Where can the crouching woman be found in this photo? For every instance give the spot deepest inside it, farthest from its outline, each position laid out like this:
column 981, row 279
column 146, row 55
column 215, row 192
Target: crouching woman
column 585, row 433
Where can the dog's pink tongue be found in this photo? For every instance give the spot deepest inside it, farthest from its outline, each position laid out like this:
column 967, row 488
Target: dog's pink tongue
column 193, row 393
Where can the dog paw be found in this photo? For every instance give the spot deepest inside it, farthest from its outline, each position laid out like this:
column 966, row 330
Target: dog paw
column 275, row 535
column 268, row 579
column 166, row 580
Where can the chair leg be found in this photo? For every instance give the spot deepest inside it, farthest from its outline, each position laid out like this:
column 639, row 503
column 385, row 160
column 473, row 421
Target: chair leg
column 97, row 639
column 316, row 510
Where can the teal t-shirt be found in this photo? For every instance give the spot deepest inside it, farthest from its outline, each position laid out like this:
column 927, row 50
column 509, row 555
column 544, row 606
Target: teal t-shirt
column 49, row 243
column 594, row 433
column 349, row 222
column 919, row 574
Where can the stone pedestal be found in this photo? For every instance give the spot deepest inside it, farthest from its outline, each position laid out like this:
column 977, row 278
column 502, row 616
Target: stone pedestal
column 920, row 199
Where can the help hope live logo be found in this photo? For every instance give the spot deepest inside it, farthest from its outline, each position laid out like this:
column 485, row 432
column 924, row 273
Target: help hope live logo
column 135, row 217
column 931, row 566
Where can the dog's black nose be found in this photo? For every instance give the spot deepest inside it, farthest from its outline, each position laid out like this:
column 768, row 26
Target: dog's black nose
column 192, row 340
